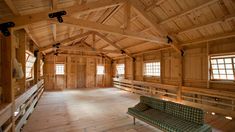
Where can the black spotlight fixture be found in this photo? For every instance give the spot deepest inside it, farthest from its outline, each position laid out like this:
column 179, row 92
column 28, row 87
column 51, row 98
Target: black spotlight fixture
column 134, row 59
column 169, row 40
column 57, row 45
column 4, row 28
column 56, row 53
column 123, row 52
column 36, row 53
column 58, row 15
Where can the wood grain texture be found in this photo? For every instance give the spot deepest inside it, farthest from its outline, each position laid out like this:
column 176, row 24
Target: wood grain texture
column 100, row 109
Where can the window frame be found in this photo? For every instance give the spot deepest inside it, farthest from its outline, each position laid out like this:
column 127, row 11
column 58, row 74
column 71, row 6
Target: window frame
column 41, row 67
column 98, row 69
column 158, row 74
column 56, row 69
column 217, row 57
column 28, row 53
column 118, row 66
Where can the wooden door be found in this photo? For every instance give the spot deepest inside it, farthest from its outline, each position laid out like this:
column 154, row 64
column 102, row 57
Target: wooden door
column 81, row 76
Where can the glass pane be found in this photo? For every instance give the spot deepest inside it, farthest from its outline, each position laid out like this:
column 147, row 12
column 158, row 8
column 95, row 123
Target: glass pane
column 229, row 72
column 228, row 66
column 230, row 77
column 221, row 66
column 223, row 77
column 214, row 67
column 216, row 76
column 222, row 71
column 215, row 72
column 213, row 61
column 228, row 60
column 220, row 61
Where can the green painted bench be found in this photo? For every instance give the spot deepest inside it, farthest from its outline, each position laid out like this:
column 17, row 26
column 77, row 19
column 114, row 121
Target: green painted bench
column 169, row 116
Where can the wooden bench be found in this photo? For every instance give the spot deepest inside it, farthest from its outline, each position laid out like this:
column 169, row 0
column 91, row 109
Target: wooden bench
column 169, row 116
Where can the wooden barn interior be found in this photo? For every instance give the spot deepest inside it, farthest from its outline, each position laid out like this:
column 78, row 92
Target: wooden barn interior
column 78, row 65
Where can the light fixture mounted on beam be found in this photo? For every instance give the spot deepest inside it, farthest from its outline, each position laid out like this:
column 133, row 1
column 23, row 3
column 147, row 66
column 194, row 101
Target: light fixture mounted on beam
column 4, row 28
column 58, row 15
column 57, row 45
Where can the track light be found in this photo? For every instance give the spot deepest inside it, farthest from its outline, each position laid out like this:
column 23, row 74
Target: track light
column 4, row 28
column 58, row 15
column 57, row 45
column 169, row 40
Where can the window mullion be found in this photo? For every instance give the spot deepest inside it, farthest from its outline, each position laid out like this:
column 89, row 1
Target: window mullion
column 233, row 68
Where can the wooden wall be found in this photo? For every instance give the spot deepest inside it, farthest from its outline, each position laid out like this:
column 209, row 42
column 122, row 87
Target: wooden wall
column 80, row 72
column 0, row 70
column 194, row 65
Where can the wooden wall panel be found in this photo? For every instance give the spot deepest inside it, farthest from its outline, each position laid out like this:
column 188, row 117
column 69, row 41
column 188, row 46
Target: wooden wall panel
column 91, row 72
column 0, row 70
column 80, row 72
column 194, row 63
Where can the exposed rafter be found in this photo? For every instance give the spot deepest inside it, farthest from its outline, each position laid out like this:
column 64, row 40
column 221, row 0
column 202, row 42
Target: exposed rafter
column 42, row 16
column 30, row 35
column 154, row 4
column 12, row 7
column 209, row 23
column 111, row 29
column 212, row 38
column 112, row 44
column 66, row 41
column 127, row 16
column 139, row 8
column 54, row 4
column 182, row 13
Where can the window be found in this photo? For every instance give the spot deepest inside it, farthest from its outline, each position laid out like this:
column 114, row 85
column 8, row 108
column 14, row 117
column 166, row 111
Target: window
column 100, row 70
column 152, row 69
column 41, row 67
column 59, row 69
column 222, row 67
column 30, row 59
column 120, row 69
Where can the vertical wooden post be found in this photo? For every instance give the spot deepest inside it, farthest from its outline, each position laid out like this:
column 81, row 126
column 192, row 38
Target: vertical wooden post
column 37, row 68
column 209, row 65
column 142, row 67
column 7, row 73
column 179, row 93
column 21, row 58
column 161, row 66
column 54, row 76
column 127, row 15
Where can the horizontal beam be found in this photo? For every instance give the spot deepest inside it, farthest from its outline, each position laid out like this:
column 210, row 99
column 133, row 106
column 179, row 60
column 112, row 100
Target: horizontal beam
column 212, row 38
column 209, row 23
column 21, row 21
column 72, row 48
column 66, row 41
column 112, row 43
column 111, row 29
column 12, row 7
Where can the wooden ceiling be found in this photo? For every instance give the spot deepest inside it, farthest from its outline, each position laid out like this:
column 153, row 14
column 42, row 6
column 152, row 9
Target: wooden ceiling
column 120, row 27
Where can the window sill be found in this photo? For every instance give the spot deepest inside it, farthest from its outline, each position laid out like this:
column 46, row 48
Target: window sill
column 222, row 81
column 151, row 76
column 29, row 79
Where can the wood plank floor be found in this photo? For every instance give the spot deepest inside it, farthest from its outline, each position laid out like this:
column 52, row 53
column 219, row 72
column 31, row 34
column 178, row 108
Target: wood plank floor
column 95, row 110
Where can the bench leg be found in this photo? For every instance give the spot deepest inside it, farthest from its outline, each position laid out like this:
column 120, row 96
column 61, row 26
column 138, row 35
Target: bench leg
column 134, row 120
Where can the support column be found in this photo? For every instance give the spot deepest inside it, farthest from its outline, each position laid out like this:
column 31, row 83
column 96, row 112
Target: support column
column 179, row 93
column 21, row 58
column 8, row 81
